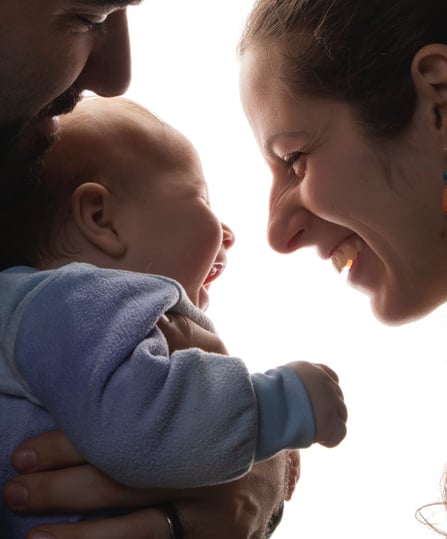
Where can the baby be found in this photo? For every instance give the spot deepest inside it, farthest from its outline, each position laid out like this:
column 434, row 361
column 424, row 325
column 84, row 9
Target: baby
column 119, row 233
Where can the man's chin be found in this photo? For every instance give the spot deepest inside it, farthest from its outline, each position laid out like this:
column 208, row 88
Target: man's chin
column 63, row 104
column 23, row 145
column 37, row 135
column 21, row 159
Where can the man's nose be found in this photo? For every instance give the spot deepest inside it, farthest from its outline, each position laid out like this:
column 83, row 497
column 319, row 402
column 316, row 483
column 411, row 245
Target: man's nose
column 108, row 69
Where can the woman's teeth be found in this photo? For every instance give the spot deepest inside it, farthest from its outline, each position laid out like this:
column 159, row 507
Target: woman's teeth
column 346, row 254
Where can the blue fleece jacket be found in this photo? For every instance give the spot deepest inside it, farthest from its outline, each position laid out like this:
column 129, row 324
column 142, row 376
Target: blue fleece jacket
column 81, row 351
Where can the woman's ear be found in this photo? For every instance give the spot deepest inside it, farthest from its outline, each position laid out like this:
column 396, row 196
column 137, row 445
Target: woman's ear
column 429, row 72
column 94, row 209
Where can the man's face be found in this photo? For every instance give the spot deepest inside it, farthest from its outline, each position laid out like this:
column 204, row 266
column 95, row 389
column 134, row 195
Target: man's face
column 52, row 50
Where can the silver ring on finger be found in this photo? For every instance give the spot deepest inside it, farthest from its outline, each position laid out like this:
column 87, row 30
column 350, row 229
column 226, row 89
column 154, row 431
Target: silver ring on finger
column 173, row 519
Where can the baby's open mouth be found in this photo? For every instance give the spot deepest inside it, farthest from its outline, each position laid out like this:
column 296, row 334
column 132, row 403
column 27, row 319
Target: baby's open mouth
column 216, row 269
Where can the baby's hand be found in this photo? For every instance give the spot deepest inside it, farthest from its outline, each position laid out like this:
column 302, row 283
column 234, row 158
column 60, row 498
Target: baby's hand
column 326, row 397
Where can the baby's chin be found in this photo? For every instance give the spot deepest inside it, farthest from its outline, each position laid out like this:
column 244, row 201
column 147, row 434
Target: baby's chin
column 203, row 299
column 199, row 297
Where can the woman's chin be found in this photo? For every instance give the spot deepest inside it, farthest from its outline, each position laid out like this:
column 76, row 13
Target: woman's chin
column 398, row 310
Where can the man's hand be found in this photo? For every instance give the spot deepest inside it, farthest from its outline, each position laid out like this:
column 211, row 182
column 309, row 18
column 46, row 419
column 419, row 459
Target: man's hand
column 239, row 509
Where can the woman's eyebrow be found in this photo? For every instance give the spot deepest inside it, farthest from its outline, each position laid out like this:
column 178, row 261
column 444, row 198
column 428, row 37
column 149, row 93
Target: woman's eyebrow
column 270, row 142
column 108, row 3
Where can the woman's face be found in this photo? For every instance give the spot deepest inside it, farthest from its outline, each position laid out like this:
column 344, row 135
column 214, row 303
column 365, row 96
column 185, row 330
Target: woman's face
column 375, row 208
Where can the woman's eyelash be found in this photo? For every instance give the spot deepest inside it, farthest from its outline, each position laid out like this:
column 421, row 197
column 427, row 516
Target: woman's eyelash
column 291, row 158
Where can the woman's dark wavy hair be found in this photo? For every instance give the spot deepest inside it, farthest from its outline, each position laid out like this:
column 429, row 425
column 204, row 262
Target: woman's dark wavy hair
column 354, row 51
column 274, row 521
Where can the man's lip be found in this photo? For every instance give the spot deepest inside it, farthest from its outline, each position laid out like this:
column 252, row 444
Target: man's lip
column 50, row 124
column 63, row 103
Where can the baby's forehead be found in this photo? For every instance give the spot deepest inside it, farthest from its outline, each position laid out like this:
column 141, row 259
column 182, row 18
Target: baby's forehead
column 162, row 141
column 120, row 144
column 123, row 130
column 142, row 132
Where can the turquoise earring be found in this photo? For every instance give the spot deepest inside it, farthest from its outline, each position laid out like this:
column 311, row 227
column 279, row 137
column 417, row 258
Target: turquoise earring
column 444, row 193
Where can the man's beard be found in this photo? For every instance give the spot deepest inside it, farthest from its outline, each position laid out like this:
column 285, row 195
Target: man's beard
column 23, row 145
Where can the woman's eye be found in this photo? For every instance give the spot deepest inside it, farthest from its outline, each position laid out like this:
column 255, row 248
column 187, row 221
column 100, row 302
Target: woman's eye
column 291, row 161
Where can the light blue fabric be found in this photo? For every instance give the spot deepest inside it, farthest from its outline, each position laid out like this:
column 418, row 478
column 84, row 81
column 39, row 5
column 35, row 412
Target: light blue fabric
column 80, row 351
column 285, row 414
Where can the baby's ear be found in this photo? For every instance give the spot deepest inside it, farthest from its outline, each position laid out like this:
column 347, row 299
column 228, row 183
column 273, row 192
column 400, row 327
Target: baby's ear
column 429, row 72
column 94, row 210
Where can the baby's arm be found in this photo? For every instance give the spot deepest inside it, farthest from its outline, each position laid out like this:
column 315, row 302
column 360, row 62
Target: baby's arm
column 326, row 397
column 322, row 420
column 101, row 367
column 299, row 404
column 141, row 416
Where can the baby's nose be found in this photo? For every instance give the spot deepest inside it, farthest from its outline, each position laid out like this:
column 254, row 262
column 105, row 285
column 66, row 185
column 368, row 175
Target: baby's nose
column 228, row 236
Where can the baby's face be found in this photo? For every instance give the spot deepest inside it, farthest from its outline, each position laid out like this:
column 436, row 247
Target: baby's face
column 170, row 227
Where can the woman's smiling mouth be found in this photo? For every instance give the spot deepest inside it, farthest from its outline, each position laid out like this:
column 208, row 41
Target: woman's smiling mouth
column 346, row 253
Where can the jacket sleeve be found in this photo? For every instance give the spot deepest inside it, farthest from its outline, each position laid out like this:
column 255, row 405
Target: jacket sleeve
column 90, row 351
column 285, row 416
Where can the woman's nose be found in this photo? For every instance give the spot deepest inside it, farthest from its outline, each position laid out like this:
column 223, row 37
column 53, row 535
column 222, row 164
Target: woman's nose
column 108, row 69
column 287, row 225
column 228, row 238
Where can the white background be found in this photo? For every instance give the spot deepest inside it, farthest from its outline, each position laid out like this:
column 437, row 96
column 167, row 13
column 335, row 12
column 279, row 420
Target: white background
column 270, row 308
